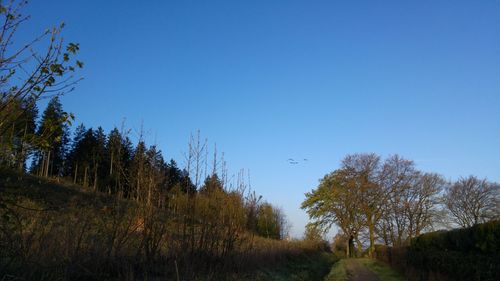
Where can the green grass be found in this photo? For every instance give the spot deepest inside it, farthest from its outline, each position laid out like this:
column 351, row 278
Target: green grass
column 338, row 272
column 313, row 267
column 384, row 272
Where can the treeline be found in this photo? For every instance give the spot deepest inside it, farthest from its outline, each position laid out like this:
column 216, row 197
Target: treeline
column 111, row 164
column 153, row 214
column 390, row 201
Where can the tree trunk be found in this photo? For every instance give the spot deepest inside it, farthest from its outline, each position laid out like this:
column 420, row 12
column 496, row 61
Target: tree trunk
column 371, row 230
column 47, row 163
column 111, row 163
column 95, row 176
column 350, row 246
column 85, row 177
column 22, row 157
column 76, row 173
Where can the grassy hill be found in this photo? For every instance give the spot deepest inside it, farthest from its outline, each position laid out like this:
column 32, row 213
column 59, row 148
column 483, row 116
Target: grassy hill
column 52, row 230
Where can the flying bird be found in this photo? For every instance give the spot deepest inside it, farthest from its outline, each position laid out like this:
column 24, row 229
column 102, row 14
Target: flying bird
column 292, row 161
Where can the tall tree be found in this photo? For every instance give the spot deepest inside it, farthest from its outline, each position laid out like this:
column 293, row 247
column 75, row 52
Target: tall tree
column 399, row 175
column 336, row 200
column 99, row 159
column 138, row 167
column 365, row 171
column 421, row 208
column 472, row 200
column 74, row 156
column 411, row 201
column 116, row 166
column 16, row 143
column 52, row 140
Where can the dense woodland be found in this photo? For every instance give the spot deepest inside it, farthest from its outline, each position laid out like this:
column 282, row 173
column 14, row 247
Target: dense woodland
column 111, row 164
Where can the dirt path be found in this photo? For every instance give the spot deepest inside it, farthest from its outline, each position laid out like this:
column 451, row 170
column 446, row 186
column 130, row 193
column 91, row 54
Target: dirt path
column 358, row 272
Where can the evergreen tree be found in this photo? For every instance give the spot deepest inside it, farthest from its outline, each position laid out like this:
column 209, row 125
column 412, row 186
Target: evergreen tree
column 72, row 158
column 137, row 170
column 84, row 157
column 156, row 176
column 211, row 184
column 16, row 142
column 99, row 159
column 126, row 154
column 187, row 184
column 52, row 140
column 114, row 169
column 173, row 175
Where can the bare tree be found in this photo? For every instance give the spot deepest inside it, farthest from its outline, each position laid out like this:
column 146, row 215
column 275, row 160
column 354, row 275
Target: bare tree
column 422, row 208
column 412, row 201
column 398, row 177
column 472, row 200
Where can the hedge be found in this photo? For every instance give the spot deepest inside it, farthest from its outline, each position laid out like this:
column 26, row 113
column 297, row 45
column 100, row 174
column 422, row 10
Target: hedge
column 460, row 254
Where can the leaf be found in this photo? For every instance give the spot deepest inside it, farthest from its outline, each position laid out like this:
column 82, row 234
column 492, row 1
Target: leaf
column 73, row 48
column 57, row 68
column 50, row 81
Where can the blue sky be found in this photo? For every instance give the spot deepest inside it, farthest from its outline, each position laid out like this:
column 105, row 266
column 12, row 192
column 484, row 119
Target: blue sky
column 272, row 80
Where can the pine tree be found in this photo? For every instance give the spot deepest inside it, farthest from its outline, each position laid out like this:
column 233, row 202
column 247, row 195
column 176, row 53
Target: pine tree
column 52, row 140
column 26, row 133
column 71, row 168
column 113, row 155
column 137, row 172
column 99, row 159
column 211, row 184
column 16, row 142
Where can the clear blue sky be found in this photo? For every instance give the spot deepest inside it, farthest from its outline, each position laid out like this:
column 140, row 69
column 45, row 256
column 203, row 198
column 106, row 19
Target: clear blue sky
column 272, row 80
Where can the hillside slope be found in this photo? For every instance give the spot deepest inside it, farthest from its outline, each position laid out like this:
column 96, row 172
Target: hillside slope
column 52, row 230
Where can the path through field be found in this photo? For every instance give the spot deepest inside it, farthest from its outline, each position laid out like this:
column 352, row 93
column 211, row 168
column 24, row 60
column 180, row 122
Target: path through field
column 358, row 272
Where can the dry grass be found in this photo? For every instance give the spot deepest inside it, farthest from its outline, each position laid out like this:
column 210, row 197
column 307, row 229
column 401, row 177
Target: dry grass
column 50, row 231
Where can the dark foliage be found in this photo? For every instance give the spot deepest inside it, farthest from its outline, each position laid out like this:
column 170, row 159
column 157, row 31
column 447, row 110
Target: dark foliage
column 461, row 254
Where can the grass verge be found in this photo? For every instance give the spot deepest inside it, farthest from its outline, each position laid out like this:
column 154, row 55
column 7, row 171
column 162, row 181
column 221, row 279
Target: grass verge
column 383, row 272
column 338, row 272
column 308, row 266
